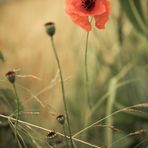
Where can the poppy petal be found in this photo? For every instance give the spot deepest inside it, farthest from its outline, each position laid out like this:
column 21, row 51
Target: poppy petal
column 81, row 21
column 103, row 18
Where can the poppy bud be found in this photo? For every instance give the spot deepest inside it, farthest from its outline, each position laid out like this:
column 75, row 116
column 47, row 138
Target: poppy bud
column 11, row 76
column 61, row 119
column 54, row 139
column 51, row 137
column 50, row 28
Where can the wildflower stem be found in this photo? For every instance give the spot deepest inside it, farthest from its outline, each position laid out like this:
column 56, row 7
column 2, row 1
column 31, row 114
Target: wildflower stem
column 86, row 68
column 65, row 136
column 63, row 90
column 17, row 115
column 86, row 80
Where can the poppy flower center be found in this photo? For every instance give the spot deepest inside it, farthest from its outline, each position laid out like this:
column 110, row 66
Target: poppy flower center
column 88, row 4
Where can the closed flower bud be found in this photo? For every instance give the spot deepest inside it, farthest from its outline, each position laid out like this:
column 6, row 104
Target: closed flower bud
column 51, row 135
column 53, row 138
column 61, row 119
column 50, row 28
column 11, row 76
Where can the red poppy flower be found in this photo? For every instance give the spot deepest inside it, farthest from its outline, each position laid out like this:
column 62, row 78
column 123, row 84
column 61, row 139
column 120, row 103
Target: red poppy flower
column 80, row 10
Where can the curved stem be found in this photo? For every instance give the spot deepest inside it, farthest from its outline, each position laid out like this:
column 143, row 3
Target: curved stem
column 63, row 89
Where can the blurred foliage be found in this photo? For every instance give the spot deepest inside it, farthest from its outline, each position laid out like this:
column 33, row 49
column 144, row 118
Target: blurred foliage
column 127, row 46
column 7, row 97
column 136, row 14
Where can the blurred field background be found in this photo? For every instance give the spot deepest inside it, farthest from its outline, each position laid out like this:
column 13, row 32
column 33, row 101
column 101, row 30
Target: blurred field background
column 118, row 71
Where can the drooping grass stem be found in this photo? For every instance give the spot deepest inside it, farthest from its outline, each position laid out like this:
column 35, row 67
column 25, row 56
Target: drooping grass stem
column 63, row 90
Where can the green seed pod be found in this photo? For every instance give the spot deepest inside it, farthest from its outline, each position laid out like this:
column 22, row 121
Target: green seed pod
column 50, row 28
column 61, row 119
column 11, row 76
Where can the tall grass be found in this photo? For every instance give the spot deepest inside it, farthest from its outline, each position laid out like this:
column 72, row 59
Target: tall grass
column 117, row 68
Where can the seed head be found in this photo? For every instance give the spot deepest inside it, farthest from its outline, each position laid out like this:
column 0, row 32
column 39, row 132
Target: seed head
column 50, row 28
column 53, row 138
column 11, row 76
column 61, row 119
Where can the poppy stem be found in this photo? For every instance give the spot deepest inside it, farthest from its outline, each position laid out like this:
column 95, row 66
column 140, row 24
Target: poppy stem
column 66, row 140
column 86, row 68
column 18, row 109
column 86, row 85
column 63, row 90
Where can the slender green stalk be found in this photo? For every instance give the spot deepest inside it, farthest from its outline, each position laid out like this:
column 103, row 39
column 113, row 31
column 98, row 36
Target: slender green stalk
column 63, row 90
column 65, row 136
column 86, row 68
column 18, row 109
column 86, row 107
